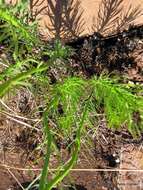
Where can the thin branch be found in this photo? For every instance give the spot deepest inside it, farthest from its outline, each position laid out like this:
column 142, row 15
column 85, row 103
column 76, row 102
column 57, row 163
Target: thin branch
column 23, row 123
column 18, row 182
column 73, row 170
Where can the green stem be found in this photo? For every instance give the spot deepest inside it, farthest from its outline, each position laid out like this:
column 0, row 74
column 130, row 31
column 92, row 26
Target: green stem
column 69, row 165
column 14, row 81
column 47, row 157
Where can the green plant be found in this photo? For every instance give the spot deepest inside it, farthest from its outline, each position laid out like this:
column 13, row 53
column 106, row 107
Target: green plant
column 15, row 32
column 118, row 100
column 18, row 79
column 119, row 105
column 65, row 169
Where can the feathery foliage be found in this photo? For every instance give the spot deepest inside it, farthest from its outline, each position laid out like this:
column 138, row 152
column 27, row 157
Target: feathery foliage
column 119, row 102
column 15, row 32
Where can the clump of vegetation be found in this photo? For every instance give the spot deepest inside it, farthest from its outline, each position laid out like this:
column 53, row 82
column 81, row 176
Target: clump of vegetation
column 70, row 102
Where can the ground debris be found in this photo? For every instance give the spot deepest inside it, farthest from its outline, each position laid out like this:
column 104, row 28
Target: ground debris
column 95, row 54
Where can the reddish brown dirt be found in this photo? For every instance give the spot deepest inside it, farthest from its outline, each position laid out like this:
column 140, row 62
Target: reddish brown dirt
column 105, row 142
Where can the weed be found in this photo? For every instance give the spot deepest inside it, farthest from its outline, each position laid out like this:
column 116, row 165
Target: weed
column 69, row 102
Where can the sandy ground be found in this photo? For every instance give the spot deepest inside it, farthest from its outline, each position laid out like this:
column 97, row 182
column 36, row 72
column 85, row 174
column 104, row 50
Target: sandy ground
column 91, row 7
